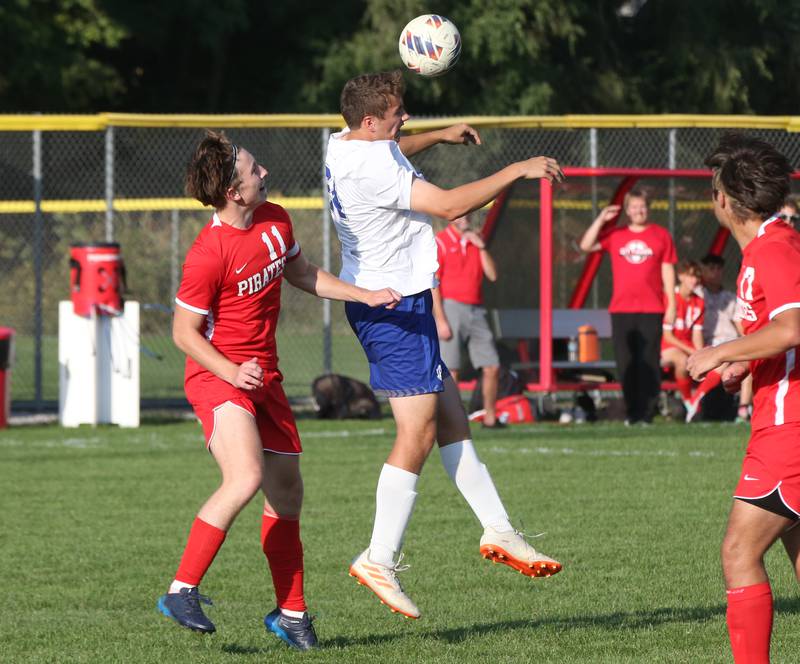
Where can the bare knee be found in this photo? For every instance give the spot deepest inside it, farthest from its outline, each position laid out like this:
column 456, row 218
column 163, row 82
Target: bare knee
column 287, row 496
column 451, row 420
column 738, row 560
column 419, row 438
column 283, row 486
column 240, row 488
column 491, row 372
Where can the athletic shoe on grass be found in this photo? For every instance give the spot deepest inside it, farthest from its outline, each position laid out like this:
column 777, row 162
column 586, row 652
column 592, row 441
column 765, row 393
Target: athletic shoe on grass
column 297, row 632
column 511, row 548
column 184, row 608
column 382, row 580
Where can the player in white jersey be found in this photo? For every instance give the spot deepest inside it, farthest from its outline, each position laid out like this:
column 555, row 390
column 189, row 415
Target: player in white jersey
column 750, row 180
column 381, row 205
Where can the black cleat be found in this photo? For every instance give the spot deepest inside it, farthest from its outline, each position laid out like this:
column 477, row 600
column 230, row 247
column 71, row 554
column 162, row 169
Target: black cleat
column 297, row 632
column 184, row 608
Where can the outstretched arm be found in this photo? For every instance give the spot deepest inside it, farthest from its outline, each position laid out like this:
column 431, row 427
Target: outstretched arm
column 457, row 134
column 454, row 203
column 312, row 279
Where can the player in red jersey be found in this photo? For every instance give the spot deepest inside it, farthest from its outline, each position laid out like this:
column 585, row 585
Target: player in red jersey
column 681, row 338
column 750, row 180
column 227, row 310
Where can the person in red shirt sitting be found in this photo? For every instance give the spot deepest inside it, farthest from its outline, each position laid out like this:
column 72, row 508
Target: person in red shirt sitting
column 458, row 308
column 685, row 335
column 643, row 272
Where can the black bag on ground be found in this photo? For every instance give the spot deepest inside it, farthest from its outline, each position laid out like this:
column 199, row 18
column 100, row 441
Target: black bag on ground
column 508, row 383
column 339, row 397
column 719, row 406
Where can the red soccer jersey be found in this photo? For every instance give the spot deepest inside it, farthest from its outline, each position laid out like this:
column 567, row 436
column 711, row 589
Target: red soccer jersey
column 233, row 277
column 636, row 260
column 769, row 283
column 460, row 270
column 689, row 315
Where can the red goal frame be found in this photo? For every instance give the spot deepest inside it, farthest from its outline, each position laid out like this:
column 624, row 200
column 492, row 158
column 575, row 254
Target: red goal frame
column 630, row 176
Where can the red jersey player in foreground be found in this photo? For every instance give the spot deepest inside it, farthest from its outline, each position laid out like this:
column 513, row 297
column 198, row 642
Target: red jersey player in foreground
column 750, row 180
column 227, row 310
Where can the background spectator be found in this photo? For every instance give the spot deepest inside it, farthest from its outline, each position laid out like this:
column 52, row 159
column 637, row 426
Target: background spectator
column 720, row 323
column 790, row 212
column 685, row 335
column 458, row 307
column 643, row 272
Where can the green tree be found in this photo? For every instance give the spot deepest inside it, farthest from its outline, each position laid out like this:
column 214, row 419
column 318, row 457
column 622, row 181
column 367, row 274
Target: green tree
column 51, row 54
column 503, row 63
column 584, row 56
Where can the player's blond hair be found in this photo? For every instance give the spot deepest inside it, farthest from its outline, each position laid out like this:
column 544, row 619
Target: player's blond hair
column 212, row 169
column 370, row 94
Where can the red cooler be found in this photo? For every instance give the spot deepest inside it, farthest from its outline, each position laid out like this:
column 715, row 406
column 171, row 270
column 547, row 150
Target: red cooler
column 97, row 278
column 6, row 360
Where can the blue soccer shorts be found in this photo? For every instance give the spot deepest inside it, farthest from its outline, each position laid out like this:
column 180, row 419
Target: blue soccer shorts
column 401, row 345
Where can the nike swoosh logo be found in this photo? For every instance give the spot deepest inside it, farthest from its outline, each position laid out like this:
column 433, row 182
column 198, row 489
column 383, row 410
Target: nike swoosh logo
column 748, row 478
column 241, row 268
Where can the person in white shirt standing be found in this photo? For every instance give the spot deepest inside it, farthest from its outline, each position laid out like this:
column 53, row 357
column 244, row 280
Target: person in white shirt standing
column 380, row 206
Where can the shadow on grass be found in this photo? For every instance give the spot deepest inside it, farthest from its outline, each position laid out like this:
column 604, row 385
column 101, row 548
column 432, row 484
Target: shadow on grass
column 233, row 649
column 618, row 620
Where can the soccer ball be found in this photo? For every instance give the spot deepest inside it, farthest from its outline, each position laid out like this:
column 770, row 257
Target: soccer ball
column 430, row 45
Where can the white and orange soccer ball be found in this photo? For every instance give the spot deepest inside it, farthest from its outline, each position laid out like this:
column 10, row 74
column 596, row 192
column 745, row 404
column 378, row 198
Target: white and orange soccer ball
column 430, row 45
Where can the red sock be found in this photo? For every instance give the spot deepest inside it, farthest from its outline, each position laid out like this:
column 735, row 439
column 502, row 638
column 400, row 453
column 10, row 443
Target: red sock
column 750, row 623
column 204, row 542
column 711, row 380
column 280, row 540
column 685, row 387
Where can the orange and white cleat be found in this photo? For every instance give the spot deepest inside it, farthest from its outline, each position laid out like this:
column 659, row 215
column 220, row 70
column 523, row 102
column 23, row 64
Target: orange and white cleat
column 511, row 548
column 382, row 580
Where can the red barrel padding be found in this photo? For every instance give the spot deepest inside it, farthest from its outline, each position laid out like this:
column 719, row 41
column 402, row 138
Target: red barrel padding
column 97, row 278
column 6, row 360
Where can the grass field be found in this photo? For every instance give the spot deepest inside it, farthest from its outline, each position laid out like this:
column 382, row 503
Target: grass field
column 94, row 521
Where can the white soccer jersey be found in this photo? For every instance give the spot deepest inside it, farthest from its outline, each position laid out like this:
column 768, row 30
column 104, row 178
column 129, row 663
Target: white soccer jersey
column 384, row 242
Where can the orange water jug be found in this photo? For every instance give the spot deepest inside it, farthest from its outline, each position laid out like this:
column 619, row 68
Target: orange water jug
column 588, row 345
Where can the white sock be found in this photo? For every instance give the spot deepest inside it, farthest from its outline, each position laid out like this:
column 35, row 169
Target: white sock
column 394, row 501
column 175, row 586
column 474, row 482
column 292, row 614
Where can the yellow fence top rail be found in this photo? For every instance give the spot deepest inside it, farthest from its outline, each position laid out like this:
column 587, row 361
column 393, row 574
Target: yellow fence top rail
column 79, row 206
column 101, row 121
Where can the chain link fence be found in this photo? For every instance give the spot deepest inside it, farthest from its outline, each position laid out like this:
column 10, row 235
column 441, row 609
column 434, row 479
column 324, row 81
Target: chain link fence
column 125, row 184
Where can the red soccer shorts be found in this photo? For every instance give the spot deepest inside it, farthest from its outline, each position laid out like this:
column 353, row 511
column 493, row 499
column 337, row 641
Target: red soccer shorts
column 268, row 405
column 772, row 461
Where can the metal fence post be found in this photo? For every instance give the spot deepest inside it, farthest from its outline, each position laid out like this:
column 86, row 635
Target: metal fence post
column 671, row 165
column 38, row 250
column 174, row 257
column 327, row 339
column 109, row 184
column 593, row 164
